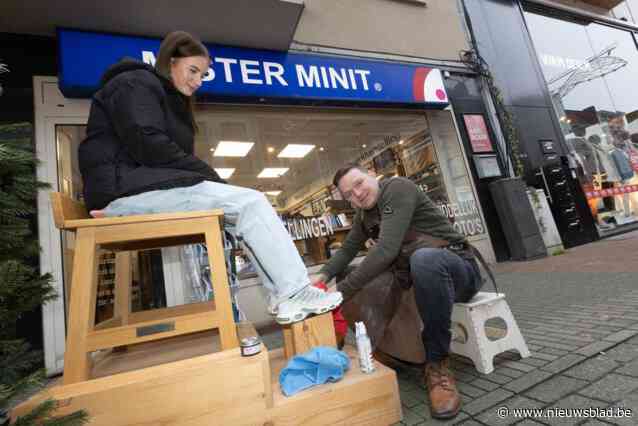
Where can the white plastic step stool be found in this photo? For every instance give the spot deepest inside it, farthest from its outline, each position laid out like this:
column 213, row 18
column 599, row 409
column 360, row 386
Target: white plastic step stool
column 477, row 346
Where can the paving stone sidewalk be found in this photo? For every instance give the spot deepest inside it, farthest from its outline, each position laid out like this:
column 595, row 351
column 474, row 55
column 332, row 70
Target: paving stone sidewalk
column 582, row 356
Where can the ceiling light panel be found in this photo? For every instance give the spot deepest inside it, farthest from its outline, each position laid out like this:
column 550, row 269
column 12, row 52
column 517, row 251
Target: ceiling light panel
column 295, row 151
column 273, row 172
column 232, row 149
column 225, row 173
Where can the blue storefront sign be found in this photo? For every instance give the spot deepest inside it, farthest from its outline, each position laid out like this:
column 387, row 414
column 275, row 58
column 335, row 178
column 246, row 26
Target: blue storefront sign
column 248, row 74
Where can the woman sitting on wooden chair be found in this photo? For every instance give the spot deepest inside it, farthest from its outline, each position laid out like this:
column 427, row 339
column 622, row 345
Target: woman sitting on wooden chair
column 138, row 158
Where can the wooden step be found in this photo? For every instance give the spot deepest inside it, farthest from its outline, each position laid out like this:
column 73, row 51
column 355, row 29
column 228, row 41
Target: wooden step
column 150, row 354
column 357, row 399
column 220, row 388
column 155, row 324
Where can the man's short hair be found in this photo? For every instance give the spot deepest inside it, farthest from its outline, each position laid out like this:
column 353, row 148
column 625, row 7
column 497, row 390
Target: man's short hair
column 344, row 171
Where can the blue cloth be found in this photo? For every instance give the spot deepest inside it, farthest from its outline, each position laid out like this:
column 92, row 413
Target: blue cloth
column 317, row 366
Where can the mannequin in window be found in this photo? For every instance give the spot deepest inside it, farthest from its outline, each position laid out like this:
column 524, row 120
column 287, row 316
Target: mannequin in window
column 617, row 130
column 606, row 164
column 583, row 152
column 622, row 154
column 606, row 171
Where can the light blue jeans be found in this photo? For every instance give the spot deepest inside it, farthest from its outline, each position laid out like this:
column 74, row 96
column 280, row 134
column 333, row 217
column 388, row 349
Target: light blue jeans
column 247, row 215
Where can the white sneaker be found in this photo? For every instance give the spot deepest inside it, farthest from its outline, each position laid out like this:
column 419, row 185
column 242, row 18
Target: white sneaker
column 310, row 300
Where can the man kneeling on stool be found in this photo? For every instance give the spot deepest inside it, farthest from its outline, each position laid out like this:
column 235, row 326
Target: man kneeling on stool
column 441, row 268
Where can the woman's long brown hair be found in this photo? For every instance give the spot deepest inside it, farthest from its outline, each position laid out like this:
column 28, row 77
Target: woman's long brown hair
column 180, row 44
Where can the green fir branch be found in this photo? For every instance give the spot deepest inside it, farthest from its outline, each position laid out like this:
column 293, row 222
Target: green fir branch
column 37, row 415
column 22, row 287
column 17, row 359
column 10, row 392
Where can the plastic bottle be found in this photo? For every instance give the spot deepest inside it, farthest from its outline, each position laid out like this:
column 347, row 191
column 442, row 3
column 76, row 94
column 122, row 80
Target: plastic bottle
column 364, row 347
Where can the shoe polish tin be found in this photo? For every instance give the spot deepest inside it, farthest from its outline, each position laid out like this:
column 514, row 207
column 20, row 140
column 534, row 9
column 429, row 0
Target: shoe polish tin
column 250, row 346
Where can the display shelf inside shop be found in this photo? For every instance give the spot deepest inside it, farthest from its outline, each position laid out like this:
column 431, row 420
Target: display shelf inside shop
column 106, row 288
column 319, row 196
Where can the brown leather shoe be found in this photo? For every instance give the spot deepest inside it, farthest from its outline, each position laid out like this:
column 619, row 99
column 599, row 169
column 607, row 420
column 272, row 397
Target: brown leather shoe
column 445, row 401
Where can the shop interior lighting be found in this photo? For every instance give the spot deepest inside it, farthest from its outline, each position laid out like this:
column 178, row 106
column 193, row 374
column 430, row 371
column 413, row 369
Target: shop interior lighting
column 295, row 151
column 271, row 149
column 321, row 148
column 232, row 149
column 272, row 172
column 225, row 173
column 273, row 193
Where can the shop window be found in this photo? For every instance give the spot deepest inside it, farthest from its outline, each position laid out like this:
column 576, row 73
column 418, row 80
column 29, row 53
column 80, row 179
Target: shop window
column 626, row 11
column 591, row 76
column 306, row 147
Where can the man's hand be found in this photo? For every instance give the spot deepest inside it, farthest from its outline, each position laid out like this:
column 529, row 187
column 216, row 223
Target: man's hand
column 314, row 279
column 321, row 281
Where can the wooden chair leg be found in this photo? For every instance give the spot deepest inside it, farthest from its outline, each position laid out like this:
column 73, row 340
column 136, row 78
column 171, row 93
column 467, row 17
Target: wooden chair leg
column 77, row 363
column 300, row 337
column 122, row 286
column 221, row 289
column 123, row 282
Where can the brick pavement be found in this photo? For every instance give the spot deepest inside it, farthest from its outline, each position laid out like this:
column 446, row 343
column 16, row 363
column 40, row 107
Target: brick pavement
column 588, row 368
column 579, row 315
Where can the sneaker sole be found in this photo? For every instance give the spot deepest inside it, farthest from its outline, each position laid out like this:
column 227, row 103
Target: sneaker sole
column 300, row 316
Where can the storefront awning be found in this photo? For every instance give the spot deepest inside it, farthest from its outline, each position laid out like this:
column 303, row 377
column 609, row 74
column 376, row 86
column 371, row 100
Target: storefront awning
column 256, row 75
column 264, row 24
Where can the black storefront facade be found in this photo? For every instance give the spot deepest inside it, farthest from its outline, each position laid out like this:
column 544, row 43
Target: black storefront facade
column 567, row 75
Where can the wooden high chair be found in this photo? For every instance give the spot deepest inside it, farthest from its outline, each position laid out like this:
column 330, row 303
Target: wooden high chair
column 195, row 379
column 122, row 235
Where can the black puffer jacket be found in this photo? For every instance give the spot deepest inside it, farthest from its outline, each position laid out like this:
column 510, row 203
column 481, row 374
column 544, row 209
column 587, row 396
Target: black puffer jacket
column 139, row 137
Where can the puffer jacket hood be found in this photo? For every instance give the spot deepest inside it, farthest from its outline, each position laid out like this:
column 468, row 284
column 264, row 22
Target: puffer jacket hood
column 126, row 64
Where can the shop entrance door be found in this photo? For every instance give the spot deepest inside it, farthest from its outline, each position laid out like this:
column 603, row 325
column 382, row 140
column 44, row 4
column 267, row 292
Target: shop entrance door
column 59, row 126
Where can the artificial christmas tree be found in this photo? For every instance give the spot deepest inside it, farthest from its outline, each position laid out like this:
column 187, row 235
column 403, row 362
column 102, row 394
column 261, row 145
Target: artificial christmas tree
column 22, row 287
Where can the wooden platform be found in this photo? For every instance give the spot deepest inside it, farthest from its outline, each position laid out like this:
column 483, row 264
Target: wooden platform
column 184, row 381
column 357, row 399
